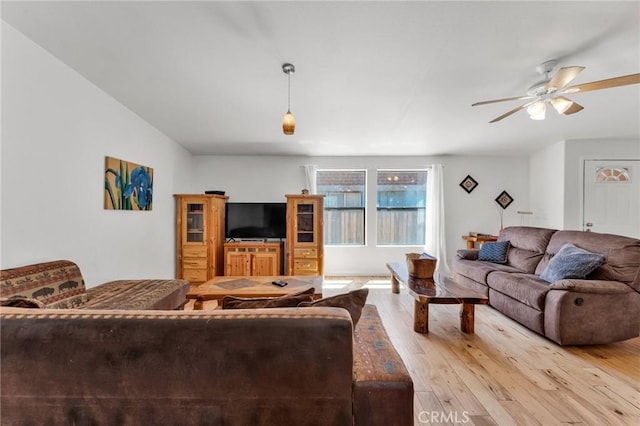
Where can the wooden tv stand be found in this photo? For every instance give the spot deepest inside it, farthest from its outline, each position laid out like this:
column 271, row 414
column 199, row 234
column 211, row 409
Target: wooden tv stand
column 253, row 258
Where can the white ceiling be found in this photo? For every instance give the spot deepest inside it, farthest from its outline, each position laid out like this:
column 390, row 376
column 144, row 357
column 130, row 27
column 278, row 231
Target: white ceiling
column 372, row 78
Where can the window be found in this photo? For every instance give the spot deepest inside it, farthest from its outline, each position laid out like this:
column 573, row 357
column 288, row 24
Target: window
column 344, row 205
column 402, row 200
column 612, row 174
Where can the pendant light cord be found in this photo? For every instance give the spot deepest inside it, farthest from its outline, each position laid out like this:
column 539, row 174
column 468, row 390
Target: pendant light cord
column 289, row 92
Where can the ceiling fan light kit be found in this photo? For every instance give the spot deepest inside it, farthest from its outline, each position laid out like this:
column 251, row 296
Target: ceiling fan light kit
column 550, row 90
column 537, row 110
column 288, row 121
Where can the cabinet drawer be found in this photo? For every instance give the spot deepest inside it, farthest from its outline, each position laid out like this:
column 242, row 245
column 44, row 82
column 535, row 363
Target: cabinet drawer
column 194, row 251
column 310, row 265
column 194, row 263
column 194, row 275
column 303, row 272
column 305, row 253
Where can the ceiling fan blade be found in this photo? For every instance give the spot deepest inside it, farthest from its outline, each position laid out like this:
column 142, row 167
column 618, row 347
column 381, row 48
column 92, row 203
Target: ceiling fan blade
column 573, row 109
column 605, row 84
column 513, row 111
column 517, row 98
column 563, row 77
column 561, row 104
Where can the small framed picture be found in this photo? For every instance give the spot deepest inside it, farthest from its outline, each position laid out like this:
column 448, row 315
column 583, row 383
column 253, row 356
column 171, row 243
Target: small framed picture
column 468, row 184
column 504, row 199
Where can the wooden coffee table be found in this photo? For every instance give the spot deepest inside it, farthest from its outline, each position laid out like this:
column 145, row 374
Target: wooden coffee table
column 219, row 287
column 426, row 291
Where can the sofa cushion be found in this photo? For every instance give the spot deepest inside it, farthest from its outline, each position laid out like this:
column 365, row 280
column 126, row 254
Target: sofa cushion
column 353, row 302
column 571, row 262
column 525, row 288
column 527, row 237
column 473, row 285
column 622, row 255
column 56, row 284
column 138, row 294
column 494, row 252
column 591, row 286
column 287, row 301
column 528, row 245
column 478, row 270
column 526, row 315
column 524, row 260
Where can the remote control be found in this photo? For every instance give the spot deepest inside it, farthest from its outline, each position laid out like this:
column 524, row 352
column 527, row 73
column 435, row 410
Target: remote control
column 279, row 283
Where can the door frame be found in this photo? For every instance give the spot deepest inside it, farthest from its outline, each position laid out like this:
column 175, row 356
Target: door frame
column 582, row 180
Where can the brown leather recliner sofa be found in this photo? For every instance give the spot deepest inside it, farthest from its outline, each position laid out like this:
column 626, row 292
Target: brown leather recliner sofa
column 603, row 308
column 278, row 366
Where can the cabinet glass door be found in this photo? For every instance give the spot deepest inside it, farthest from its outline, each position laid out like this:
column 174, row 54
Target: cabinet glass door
column 195, row 222
column 306, row 226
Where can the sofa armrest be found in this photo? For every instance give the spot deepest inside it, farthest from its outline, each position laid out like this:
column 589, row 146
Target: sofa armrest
column 468, row 254
column 382, row 386
column 591, row 286
column 581, row 318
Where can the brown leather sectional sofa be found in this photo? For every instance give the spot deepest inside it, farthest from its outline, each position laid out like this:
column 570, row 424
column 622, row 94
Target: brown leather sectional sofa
column 603, row 308
column 279, row 366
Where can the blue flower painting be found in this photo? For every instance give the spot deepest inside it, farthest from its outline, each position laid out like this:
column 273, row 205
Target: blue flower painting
column 127, row 186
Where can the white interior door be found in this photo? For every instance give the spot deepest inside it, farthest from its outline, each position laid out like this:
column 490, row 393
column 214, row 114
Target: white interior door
column 612, row 197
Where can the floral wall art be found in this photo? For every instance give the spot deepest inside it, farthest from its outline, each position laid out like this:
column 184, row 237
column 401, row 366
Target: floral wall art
column 127, row 186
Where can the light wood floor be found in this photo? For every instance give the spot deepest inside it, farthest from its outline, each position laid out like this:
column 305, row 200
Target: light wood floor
column 504, row 374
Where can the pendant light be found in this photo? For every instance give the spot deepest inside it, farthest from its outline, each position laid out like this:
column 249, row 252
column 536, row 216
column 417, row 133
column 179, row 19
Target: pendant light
column 289, row 121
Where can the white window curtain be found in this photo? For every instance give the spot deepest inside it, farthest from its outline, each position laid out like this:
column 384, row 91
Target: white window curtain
column 435, row 228
column 310, row 175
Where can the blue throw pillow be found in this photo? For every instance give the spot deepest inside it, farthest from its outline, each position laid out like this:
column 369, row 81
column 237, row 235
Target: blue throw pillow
column 494, row 252
column 571, row 262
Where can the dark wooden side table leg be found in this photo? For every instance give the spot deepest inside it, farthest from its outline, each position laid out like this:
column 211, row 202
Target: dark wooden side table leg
column 467, row 318
column 421, row 316
column 395, row 285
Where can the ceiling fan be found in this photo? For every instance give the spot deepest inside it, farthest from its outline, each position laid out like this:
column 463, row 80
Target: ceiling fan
column 551, row 90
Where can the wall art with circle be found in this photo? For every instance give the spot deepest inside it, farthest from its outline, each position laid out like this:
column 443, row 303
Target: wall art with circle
column 504, row 199
column 468, row 184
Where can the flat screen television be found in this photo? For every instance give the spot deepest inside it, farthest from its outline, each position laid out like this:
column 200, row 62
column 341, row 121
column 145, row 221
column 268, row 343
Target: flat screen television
column 255, row 220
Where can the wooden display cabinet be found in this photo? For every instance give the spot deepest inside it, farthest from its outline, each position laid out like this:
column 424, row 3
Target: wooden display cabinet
column 199, row 236
column 305, row 234
column 253, row 259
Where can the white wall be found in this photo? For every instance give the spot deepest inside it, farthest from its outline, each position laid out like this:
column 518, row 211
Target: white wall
column 259, row 178
column 556, row 174
column 546, row 183
column 575, row 153
column 56, row 130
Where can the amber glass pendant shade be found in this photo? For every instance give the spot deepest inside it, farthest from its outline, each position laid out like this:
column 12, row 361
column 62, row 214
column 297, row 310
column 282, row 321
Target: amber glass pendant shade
column 288, row 123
